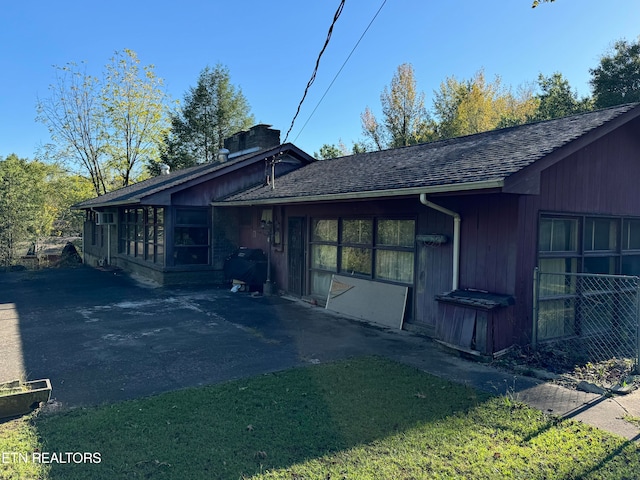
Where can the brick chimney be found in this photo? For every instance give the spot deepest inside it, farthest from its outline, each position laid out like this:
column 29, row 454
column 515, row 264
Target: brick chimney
column 258, row 137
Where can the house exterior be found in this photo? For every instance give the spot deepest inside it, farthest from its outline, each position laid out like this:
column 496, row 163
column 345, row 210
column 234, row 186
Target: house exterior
column 165, row 229
column 461, row 223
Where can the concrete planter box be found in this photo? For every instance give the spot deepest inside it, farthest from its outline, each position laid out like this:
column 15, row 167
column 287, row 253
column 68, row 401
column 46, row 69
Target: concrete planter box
column 19, row 398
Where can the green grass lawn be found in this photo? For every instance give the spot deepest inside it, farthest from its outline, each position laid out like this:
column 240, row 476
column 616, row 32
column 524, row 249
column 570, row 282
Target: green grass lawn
column 366, row 418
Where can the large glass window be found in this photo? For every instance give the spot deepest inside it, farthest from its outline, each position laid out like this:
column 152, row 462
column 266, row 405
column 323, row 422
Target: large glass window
column 396, row 233
column 142, row 233
column 395, row 250
column 631, row 234
column 600, row 234
column 324, row 254
column 588, row 244
column 357, row 231
column 377, row 248
column 356, row 248
column 558, row 235
column 191, row 236
column 580, row 244
column 324, row 230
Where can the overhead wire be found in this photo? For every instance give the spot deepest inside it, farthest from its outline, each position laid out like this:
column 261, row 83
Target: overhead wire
column 341, row 68
column 315, row 70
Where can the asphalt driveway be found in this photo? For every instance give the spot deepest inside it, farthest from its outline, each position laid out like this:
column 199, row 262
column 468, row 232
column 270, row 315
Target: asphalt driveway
column 100, row 336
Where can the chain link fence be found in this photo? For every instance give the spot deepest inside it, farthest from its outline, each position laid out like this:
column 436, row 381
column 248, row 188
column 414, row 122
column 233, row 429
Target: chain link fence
column 596, row 315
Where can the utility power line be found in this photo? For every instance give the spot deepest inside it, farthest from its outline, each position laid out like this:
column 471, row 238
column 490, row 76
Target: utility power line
column 341, row 68
column 315, row 70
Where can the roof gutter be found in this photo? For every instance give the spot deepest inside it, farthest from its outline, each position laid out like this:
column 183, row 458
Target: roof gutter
column 392, row 192
column 105, row 204
column 456, row 237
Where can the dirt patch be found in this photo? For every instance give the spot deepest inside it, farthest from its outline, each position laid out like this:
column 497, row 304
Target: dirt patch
column 567, row 366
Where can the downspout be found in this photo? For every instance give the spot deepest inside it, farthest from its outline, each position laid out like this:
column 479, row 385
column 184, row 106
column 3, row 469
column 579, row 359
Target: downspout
column 456, row 237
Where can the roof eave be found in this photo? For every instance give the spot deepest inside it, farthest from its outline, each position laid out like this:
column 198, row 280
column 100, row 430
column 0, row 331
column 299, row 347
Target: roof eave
column 526, row 181
column 119, row 203
column 394, row 192
column 223, row 169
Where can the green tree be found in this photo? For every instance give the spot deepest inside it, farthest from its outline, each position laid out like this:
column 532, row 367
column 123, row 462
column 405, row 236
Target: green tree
column 328, row 151
column 406, row 121
column 74, row 116
column 64, row 189
column 136, row 114
column 105, row 127
column 616, row 80
column 212, row 110
column 476, row 105
column 24, row 214
column 557, row 98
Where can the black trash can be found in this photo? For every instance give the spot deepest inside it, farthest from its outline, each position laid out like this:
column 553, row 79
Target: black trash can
column 249, row 265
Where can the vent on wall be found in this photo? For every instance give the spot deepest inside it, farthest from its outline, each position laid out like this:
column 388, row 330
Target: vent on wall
column 105, row 218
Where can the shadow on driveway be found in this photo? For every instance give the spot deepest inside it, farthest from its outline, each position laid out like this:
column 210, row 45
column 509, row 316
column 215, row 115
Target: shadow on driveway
column 101, row 337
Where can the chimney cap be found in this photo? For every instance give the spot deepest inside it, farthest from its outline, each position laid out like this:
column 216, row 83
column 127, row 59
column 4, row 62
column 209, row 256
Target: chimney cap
column 223, row 155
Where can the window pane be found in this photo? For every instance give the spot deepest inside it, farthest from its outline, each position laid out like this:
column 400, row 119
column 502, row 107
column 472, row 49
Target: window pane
column 150, row 233
column 558, row 265
column 600, row 234
column 191, row 255
column 357, row 231
column 160, row 254
column 399, row 233
column 325, row 230
column 324, row 257
column 320, row 283
column 191, row 236
column 558, row 235
column 160, row 235
column 553, row 282
column 197, row 216
column 631, row 239
column 356, row 260
column 159, row 216
column 130, row 233
column 631, row 265
column 603, row 265
column 149, row 215
column 150, row 252
column 556, row 318
column 394, row 265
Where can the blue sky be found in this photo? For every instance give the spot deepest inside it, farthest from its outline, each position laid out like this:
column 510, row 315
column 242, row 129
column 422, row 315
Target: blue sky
column 271, row 47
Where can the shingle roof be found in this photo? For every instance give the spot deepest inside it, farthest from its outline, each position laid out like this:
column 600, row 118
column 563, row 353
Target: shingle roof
column 134, row 193
column 480, row 158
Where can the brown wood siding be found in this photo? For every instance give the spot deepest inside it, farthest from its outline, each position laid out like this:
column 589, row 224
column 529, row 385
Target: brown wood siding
column 601, row 178
column 488, row 260
column 434, row 272
column 488, row 242
column 203, row 194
